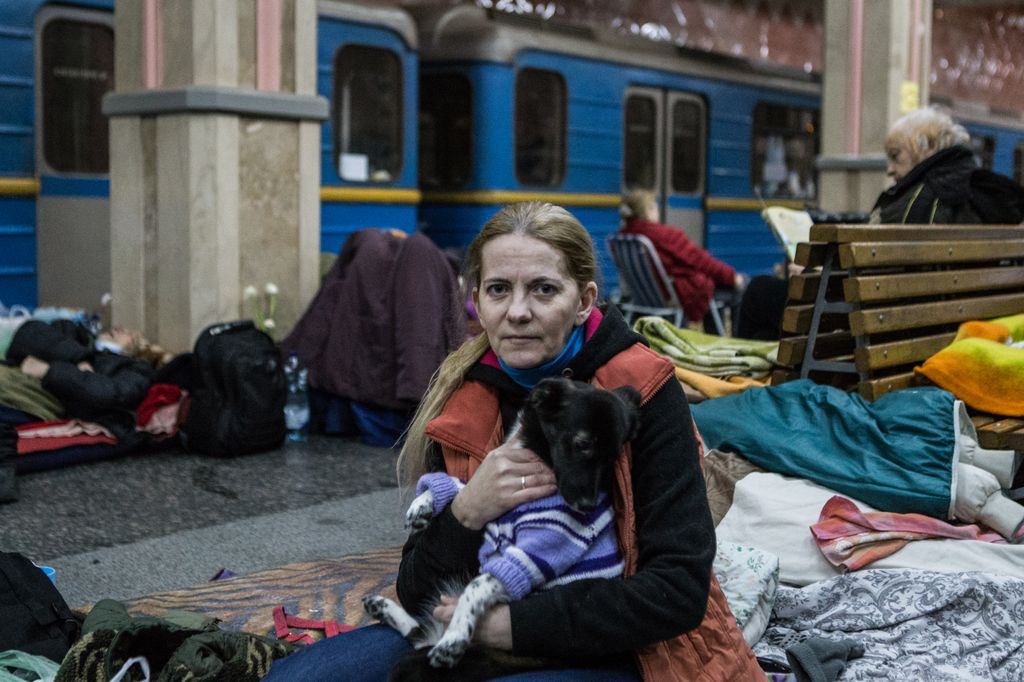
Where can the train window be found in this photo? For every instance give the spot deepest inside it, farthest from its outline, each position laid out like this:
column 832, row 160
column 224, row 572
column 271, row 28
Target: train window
column 445, row 130
column 77, row 70
column 639, row 163
column 785, row 144
column 687, row 146
column 540, row 127
column 1018, row 163
column 367, row 116
column 984, row 148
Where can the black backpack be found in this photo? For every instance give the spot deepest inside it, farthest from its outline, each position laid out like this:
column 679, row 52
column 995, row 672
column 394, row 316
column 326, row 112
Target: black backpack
column 238, row 406
column 34, row 617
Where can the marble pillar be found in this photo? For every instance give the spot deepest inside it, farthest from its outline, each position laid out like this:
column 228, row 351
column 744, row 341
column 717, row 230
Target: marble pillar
column 877, row 55
column 215, row 169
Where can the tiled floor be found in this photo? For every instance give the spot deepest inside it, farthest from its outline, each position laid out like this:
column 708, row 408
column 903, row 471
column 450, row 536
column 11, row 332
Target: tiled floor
column 141, row 523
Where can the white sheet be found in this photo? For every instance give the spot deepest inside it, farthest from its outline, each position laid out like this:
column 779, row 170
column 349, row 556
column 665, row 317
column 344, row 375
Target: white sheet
column 774, row 513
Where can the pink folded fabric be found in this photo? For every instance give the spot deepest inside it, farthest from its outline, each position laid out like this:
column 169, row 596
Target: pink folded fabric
column 29, row 445
column 62, row 428
column 851, row 539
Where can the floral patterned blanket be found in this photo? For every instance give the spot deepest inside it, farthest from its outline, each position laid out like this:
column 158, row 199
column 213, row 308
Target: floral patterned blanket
column 914, row 625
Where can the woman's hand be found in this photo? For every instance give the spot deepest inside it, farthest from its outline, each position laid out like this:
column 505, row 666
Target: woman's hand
column 493, row 629
column 508, row 477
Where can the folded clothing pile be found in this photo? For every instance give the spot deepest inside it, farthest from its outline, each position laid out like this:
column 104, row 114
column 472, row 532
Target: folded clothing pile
column 712, row 355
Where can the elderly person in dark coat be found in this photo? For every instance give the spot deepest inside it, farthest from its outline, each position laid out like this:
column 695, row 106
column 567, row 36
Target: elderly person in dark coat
column 937, row 181
column 937, row 177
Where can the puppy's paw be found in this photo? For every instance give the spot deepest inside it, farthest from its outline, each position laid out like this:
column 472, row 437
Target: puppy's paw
column 448, row 652
column 418, row 515
column 375, row 606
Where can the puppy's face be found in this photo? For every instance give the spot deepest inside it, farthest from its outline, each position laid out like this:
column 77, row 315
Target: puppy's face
column 584, row 429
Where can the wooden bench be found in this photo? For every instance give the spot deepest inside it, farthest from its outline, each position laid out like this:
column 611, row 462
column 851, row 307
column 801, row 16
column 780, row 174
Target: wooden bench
column 882, row 298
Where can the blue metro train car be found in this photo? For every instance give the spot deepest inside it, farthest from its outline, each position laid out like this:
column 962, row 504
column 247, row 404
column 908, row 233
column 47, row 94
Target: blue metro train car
column 54, row 139
column 516, row 109
column 54, row 143
column 438, row 116
column 367, row 68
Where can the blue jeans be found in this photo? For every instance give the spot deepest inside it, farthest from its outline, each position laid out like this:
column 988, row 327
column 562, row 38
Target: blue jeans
column 367, row 654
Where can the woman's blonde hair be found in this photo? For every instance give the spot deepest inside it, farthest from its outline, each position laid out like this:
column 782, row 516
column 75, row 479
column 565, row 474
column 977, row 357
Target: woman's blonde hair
column 925, row 131
column 552, row 225
column 635, row 203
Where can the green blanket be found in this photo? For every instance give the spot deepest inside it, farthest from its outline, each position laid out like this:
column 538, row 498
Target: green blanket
column 717, row 356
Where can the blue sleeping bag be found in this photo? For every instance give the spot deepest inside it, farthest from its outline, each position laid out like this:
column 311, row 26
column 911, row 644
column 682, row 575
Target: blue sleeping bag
column 896, row 454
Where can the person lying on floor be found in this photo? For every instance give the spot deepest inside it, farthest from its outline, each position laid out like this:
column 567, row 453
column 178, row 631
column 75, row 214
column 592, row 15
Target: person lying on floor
column 94, row 385
column 910, row 451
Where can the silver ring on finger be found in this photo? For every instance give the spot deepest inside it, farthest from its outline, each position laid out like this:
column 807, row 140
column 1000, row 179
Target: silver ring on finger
column 522, row 482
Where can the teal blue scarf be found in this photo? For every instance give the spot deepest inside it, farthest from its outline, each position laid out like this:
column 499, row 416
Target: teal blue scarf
column 531, row 376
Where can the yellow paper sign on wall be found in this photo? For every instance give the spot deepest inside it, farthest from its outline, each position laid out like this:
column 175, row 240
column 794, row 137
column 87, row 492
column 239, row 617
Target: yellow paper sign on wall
column 910, row 96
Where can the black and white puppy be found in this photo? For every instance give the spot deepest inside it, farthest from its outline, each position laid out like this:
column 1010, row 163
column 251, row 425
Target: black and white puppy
column 579, row 431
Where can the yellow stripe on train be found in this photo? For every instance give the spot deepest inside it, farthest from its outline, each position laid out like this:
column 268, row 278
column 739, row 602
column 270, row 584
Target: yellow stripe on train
column 22, row 187
column 510, row 197
column 370, row 195
column 19, row 187
column 729, row 204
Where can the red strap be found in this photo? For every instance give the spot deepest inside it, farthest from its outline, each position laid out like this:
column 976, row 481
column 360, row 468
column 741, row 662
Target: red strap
column 283, row 624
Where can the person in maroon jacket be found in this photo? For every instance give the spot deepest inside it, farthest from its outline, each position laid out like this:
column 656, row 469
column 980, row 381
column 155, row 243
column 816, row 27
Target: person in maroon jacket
column 695, row 273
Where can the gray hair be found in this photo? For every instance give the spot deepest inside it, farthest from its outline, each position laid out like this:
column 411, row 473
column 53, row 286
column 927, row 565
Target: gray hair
column 924, row 131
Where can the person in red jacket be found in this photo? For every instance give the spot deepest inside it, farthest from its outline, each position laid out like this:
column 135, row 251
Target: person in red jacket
column 695, row 273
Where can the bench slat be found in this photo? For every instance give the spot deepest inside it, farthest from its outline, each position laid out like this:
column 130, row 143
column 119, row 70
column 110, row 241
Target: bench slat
column 980, row 420
column 908, row 285
column 896, row 353
column 873, row 389
column 876, row 233
column 810, row 254
column 917, row 315
column 1002, row 434
column 791, row 349
column 781, row 375
column 796, row 319
column 874, row 254
column 804, row 287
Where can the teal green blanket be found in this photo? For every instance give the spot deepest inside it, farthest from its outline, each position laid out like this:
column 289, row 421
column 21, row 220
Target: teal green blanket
column 896, row 454
column 715, row 356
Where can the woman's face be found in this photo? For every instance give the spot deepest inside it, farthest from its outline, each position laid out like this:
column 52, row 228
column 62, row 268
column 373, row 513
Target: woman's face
column 900, row 161
column 527, row 302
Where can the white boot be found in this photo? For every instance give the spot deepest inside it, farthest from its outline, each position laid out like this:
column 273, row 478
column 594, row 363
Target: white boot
column 979, row 499
column 1004, row 516
column 1001, row 463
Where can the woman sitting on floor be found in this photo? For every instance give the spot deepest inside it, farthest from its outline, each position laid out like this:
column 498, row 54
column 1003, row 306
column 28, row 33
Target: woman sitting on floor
column 532, row 269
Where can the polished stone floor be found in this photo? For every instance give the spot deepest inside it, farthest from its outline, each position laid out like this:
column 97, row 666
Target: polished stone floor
column 142, row 523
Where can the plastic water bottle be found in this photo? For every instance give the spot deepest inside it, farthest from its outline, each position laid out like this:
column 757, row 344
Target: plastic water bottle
column 296, row 407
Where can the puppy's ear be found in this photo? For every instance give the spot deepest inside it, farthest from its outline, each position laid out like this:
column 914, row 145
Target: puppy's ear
column 630, row 398
column 629, row 395
column 548, row 396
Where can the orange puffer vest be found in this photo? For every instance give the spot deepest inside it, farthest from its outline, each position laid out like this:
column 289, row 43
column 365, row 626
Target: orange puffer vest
column 713, row 652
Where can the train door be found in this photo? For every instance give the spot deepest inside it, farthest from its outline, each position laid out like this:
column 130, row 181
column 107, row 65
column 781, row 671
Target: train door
column 665, row 139
column 74, row 68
